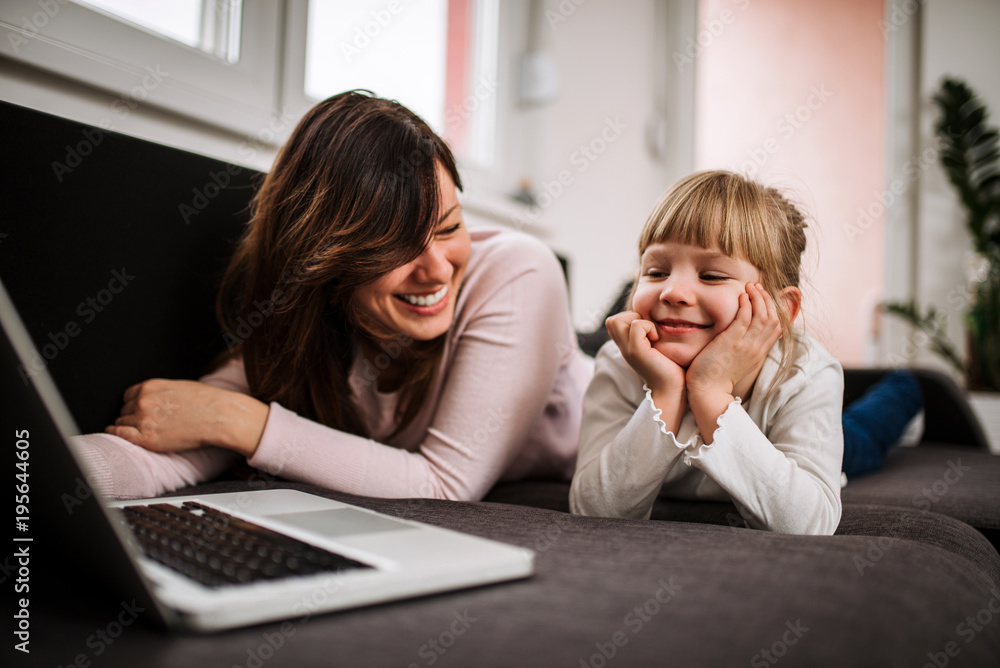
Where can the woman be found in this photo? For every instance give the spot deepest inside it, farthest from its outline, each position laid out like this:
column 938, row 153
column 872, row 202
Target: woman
column 392, row 351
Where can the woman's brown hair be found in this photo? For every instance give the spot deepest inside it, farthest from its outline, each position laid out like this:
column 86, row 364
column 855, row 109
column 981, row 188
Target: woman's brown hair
column 352, row 194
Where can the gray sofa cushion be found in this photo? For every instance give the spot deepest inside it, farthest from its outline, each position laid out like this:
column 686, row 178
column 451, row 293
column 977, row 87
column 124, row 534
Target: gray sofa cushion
column 651, row 593
column 906, row 523
column 958, row 482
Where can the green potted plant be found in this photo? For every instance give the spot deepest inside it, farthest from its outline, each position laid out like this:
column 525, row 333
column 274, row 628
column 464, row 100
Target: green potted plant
column 970, row 156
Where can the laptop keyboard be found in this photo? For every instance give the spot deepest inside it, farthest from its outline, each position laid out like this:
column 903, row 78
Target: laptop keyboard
column 217, row 549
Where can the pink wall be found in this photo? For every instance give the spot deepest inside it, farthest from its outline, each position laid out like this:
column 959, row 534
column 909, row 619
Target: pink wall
column 457, row 75
column 792, row 92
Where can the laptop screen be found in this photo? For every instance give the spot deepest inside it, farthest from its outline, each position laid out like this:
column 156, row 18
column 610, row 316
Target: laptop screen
column 61, row 530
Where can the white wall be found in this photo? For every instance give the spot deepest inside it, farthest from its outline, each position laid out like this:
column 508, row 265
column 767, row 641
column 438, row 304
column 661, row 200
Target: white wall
column 590, row 149
column 959, row 38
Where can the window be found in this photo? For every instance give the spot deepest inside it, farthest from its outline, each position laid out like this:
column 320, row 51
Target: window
column 437, row 57
column 212, row 26
column 183, row 60
column 254, row 67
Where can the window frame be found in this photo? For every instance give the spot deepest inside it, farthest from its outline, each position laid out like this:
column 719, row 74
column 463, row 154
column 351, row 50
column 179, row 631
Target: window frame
column 83, row 44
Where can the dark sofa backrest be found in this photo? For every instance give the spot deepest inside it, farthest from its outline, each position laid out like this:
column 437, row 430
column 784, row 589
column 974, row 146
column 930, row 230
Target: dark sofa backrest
column 111, row 248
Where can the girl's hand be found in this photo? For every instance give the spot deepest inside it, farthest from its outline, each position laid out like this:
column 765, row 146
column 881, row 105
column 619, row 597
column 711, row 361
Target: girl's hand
column 177, row 415
column 663, row 376
column 730, row 363
column 728, row 366
column 635, row 338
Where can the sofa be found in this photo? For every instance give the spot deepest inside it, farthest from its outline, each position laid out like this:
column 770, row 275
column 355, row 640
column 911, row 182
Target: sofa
column 911, row 577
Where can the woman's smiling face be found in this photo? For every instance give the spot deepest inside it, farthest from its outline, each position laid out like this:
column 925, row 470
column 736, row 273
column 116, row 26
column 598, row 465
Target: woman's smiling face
column 418, row 298
column 691, row 294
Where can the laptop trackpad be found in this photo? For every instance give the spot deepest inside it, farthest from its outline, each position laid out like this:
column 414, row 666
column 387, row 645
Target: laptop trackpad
column 342, row 522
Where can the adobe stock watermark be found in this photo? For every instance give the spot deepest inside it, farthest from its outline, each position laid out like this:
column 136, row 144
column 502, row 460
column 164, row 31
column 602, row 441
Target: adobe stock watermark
column 635, row 620
column 958, row 299
column 552, row 532
column 219, row 180
column 597, row 317
column 562, row 12
column 456, row 114
column 879, row 546
column 94, row 136
column 786, row 127
column 391, row 349
column 794, row 632
column 267, row 135
column 101, row 639
column 363, row 35
column 22, row 586
column 272, row 641
column 414, row 505
column 407, row 165
column 900, row 14
column 923, row 500
column 881, row 201
column 88, row 310
column 581, row 158
column 967, row 630
column 928, row 496
column 915, row 341
column 438, row 646
column 248, row 323
column 48, row 9
column 203, row 196
column 712, row 30
column 591, row 320
column 308, row 605
column 113, row 455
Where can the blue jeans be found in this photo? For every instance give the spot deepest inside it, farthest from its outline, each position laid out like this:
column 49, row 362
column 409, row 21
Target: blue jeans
column 875, row 422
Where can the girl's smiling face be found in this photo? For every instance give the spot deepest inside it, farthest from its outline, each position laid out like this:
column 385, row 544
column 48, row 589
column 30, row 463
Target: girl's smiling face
column 691, row 294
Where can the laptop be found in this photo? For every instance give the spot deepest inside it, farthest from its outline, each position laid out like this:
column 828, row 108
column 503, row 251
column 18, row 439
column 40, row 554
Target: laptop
column 287, row 554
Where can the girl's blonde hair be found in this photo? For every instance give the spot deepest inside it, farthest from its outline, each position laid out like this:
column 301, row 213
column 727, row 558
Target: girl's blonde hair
column 743, row 219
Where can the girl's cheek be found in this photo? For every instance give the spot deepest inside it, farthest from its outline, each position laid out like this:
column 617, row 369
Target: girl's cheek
column 641, row 305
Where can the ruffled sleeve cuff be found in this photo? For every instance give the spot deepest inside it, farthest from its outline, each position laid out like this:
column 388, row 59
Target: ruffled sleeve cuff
column 695, row 439
column 734, row 413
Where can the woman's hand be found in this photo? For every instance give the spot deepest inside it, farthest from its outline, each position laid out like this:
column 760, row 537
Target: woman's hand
column 728, row 366
column 664, row 377
column 177, row 415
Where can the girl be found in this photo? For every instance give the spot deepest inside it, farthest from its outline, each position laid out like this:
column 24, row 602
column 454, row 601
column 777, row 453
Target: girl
column 706, row 391
column 395, row 352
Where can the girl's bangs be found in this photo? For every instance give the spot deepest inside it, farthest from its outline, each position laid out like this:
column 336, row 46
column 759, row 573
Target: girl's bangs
column 705, row 214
